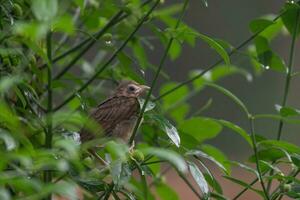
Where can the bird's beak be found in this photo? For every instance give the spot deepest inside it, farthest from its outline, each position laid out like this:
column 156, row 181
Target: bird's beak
column 143, row 89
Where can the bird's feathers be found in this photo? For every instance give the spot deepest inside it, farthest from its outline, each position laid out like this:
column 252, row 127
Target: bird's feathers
column 112, row 112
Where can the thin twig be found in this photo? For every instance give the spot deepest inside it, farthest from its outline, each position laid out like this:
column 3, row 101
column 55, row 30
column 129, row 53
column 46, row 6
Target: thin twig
column 110, row 189
column 162, row 61
column 189, row 185
column 88, row 46
column 244, row 43
column 287, row 84
column 48, row 138
column 260, row 176
column 143, row 179
column 85, row 41
column 86, row 84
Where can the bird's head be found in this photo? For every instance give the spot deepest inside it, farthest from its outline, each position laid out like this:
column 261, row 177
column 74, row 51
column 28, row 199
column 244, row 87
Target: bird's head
column 130, row 88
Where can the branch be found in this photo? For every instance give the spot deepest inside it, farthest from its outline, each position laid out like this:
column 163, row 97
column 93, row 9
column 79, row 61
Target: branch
column 86, row 84
column 257, row 158
column 244, row 43
column 48, row 138
column 83, row 42
column 89, row 45
column 162, row 61
column 288, row 79
column 289, row 72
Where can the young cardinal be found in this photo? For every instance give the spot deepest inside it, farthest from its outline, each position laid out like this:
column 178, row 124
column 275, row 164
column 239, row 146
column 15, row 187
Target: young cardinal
column 118, row 114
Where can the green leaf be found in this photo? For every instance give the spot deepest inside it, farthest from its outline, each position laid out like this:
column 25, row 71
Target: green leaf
column 260, row 24
column 140, row 54
column 223, row 71
column 170, row 156
column 245, row 167
column 117, row 150
column 126, row 67
column 173, row 97
column 175, row 50
column 63, row 24
column 168, row 11
column 44, row 10
column 120, row 172
column 7, row 82
column 289, row 17
column 199, row 178
column 287, row 111
column 168, row 128
column 216, row 46
column 296, row 159
column 150, row 105
column 289, row 147
column 9, row 141
column 244, row 184
column 180, row 112
column 32, row 30
column 200, row 129
column 231, row 96
column 200, row 154
column 268, row 155
column 237, row 130
column 267, row 57
column 165, row 192
column 217, row 155
column 270, row 27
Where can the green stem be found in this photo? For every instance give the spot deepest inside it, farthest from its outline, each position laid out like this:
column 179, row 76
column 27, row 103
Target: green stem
column 289, row 73
column 277, row 192
column 183, row 177
column 86, row 84
column 244, row 43
column 85, row 41
column 144, row 180
column 89, row 45
column 110, row 189
column 162, row 61
column 245, row 189
column 287, row 83
column 48, row 138
column 257, row 157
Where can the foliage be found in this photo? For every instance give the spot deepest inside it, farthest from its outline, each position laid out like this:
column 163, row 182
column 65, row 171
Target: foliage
column 57, row 59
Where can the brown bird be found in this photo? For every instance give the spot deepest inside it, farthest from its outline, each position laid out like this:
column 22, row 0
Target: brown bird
column 118, row 114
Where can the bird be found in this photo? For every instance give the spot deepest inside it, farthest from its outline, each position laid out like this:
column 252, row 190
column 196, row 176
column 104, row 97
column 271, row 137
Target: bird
column 117, row 115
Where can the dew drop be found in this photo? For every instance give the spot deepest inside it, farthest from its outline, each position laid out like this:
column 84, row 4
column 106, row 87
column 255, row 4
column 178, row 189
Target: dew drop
column 108, row 42
column 143, row 72
column 267, row 67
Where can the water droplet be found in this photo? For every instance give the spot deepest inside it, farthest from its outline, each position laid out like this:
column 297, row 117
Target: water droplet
column 292, row 2
column 266, row 67
column 143, row 72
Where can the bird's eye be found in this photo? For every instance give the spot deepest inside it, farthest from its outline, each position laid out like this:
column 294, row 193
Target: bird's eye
column 131, row 88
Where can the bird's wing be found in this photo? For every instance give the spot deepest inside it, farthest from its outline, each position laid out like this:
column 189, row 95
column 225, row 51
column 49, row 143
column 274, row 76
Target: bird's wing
column 112, row 111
